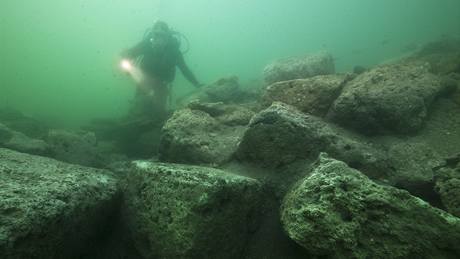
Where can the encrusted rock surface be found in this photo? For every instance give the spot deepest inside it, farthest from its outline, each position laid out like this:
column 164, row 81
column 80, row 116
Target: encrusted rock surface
column 391, row 98
column 312, row 95
column 180, row 211
column 50, row 209
column 196, row 137
column 281, row 134
column 337, row 212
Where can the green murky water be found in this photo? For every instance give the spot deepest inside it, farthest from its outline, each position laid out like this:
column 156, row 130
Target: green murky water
column 59, row 58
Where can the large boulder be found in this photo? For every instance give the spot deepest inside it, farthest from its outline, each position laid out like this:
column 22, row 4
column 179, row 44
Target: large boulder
column 50, row 209
column 393, row 98
column 312, row 95
column 20, row 142
column 321, row 63
column 194, row 136
column 281, row 134
column 337, row 212
column 180, row 211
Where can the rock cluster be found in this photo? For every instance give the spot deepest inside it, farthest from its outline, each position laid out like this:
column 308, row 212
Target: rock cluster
column 323, row 165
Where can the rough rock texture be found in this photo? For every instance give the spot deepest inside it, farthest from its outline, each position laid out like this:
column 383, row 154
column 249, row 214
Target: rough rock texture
column 50, row 209
column 448, row 185
column 195, row 137
column 179, row 211
column 77, row 148
column 299, row 67
column 414, row 164
column 388, row 98
column 20, row 142
column 281, row 134
column 223, row 90
column 312, row 95
column 338, row 212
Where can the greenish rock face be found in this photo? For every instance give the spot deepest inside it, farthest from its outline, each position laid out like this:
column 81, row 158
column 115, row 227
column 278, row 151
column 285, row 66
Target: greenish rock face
column 20, row 142
column 178, row 211
column 281, row 134
column 338, row 212
column 321, row 63
column 312, row 95
column 195, row 137
column 391, row 98
column 50, row 209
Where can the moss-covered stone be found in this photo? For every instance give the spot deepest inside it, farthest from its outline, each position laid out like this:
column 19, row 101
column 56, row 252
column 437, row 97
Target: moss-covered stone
column 50, row 209
column 179, row 211
column 339, row 213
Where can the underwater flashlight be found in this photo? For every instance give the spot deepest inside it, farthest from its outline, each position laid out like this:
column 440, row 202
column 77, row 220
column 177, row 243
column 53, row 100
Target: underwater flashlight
column 132, row 70
column 126, row 65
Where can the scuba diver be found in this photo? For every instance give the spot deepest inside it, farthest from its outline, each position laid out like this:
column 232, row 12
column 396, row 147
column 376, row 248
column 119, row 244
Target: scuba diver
column 157, row 55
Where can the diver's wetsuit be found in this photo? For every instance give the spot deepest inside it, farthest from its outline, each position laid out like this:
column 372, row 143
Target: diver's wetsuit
column 159, row 68
column 161, row 63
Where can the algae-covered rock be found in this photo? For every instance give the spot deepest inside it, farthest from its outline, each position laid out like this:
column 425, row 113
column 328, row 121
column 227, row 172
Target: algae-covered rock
column 337, row 212
column 50, row 209
column 390, row 98
column 321, row 63
column 179, row 211
column 281, row 134
column 312, row 95
column 195, row 137
column 20, row 142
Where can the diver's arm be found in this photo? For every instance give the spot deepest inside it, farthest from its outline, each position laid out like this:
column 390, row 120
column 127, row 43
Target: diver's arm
column 186, row 71
column 135, row 51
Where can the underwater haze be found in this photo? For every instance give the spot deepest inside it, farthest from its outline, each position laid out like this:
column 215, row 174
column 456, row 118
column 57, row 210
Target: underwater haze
column 59, row 58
